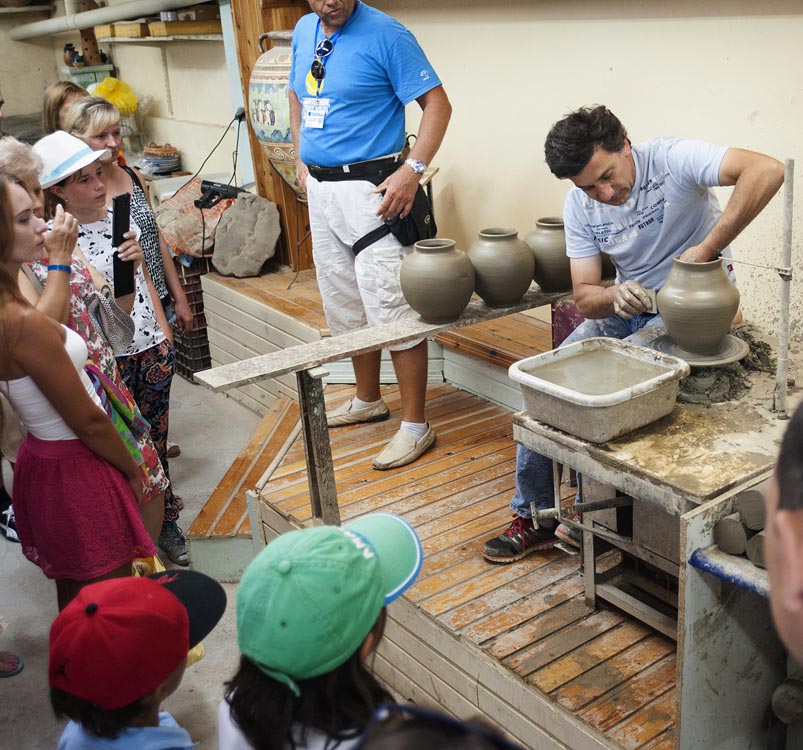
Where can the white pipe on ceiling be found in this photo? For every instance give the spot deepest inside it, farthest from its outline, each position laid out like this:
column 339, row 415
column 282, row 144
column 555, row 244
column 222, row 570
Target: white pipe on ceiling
column 89, row 18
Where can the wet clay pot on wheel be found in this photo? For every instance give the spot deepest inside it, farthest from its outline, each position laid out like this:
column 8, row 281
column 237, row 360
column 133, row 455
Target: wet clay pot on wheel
column 437, row 280
column 503, row 265
column 698, row 303
column 548, row 245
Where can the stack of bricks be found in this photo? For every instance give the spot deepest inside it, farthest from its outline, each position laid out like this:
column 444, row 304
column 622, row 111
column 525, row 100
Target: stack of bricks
column 192, row 348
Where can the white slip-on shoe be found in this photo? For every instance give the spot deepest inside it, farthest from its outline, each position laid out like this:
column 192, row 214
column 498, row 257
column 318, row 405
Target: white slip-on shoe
column 403, row 449
column 344, row 414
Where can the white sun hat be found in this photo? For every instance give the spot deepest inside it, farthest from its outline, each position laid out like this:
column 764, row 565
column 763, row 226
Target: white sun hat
column 63, row 154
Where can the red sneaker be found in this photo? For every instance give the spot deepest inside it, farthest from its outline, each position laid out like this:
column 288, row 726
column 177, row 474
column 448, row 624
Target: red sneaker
column 517, row 541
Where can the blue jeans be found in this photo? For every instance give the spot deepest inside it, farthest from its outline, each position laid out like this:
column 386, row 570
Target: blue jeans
column 534, row 471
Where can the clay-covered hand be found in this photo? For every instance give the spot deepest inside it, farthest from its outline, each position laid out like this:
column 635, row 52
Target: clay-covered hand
column 630, row 298
column 60, row 240
column 130, row 249
column 399, row 189
column 301, row 175
column 694, row 254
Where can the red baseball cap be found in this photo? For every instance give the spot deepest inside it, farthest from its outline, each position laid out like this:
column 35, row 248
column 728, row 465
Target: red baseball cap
column 119, row 639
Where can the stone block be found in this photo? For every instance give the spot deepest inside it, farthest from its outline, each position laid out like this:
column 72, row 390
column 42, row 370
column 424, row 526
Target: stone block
column 246, row 236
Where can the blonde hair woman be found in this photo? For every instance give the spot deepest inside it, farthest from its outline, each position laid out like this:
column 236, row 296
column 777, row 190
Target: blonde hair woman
column 97, row 123
column 58, row 98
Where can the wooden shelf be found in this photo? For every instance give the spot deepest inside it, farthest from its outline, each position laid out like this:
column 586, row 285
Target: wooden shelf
column 27, row 9
column 156, row 39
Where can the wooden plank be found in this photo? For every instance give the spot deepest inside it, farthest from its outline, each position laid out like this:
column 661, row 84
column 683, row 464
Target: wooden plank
column 500, row 691
column 358, row 342
column 260, row 335
column 284, row 431
column 529, row 595
column 664, row 741
column 231, row 482
column 217, row 287
column 613, row 672
column 505, row 630
column 599, row 637
column 357, row 480
column 621, row 703
column 645, row 725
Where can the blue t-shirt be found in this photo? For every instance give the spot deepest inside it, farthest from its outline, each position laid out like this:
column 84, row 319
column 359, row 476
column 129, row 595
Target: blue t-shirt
column 374, row 70
column 670, row 209
column 167, row 736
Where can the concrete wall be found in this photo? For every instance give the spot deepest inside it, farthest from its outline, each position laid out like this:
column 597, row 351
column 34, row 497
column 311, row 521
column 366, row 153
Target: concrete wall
column 729, row 71
column 26, row 68
column 189, row 83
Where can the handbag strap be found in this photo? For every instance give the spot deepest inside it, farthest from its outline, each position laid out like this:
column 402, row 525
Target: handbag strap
column 33, row 278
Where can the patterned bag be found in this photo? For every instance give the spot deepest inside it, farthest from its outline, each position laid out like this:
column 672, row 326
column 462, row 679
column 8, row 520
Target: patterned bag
column 110, row 320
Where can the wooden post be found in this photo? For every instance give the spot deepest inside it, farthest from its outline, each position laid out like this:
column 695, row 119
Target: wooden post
column 320, row 469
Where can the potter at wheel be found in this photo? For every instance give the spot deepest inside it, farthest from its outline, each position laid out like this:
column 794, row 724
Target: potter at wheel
column 731, row 349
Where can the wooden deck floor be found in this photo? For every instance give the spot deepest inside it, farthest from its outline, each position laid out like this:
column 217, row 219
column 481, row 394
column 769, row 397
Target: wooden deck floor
column 602, row 671
column 602, row 667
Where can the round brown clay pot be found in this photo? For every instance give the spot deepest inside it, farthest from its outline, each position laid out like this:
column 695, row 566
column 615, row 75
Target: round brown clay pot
column 437, row 280
column 503, row 265
column 268, row 105
column 548, row 244
column 698, row 303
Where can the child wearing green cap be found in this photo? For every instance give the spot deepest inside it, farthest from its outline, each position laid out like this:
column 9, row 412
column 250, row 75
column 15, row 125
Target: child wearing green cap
column 310, row 611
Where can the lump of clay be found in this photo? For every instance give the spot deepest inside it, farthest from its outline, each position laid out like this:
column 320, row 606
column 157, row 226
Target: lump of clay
column 246, row 236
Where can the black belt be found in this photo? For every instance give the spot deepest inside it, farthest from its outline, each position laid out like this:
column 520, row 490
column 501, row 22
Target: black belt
column 361, row 170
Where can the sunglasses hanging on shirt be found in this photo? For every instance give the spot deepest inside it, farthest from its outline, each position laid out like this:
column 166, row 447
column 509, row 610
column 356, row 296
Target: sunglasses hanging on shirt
column 322, row 50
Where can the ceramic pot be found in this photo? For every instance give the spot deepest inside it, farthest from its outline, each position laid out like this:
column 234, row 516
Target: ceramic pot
column 437, row 280
column 548, row 245
column 268, row 106
column 698, row 303
column 503, row 266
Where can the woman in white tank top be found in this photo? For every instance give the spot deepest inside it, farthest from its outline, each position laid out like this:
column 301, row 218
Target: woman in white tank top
column 75, row 484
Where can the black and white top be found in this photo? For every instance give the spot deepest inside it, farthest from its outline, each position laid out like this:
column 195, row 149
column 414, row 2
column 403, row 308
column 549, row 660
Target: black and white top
column 142, row 214
column 95, row 240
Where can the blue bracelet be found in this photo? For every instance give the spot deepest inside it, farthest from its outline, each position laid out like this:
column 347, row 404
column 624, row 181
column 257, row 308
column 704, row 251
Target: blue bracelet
column 59, row 267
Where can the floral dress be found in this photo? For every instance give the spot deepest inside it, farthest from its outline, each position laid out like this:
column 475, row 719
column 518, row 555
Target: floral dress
column 100, row 353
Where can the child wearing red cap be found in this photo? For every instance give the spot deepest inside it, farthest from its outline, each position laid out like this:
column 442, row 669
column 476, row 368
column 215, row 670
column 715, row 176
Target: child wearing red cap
column 119, row 649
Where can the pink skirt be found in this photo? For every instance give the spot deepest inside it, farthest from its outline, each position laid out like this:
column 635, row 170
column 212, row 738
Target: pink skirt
column 76, row 515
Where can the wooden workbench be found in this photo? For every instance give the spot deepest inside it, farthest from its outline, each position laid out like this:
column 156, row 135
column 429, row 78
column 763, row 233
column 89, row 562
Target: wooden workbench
column 687, row 467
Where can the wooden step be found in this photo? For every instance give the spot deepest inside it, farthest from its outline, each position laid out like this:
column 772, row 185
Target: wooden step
column 219, row 539
column 502, row 341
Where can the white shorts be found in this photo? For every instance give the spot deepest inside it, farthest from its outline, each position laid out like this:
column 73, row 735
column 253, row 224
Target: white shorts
column 360, row 291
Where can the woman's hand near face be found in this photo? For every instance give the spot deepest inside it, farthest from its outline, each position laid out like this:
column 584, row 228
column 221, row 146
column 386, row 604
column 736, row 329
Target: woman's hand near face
column 61, row 239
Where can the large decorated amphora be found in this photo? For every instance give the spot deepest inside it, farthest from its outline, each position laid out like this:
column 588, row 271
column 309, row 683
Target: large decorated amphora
column 268, row 105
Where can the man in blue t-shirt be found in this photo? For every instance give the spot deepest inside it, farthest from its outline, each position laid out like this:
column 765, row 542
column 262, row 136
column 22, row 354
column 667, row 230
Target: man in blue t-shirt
column 353, row 71
column 642, row 205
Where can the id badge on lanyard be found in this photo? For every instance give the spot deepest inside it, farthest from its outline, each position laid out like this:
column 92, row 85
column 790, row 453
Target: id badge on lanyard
column 313, row 111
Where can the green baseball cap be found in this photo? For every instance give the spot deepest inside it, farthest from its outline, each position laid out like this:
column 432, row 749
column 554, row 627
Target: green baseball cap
column 309, row 599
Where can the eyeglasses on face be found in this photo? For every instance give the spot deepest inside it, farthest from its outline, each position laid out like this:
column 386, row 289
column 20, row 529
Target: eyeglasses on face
column 318, row 69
